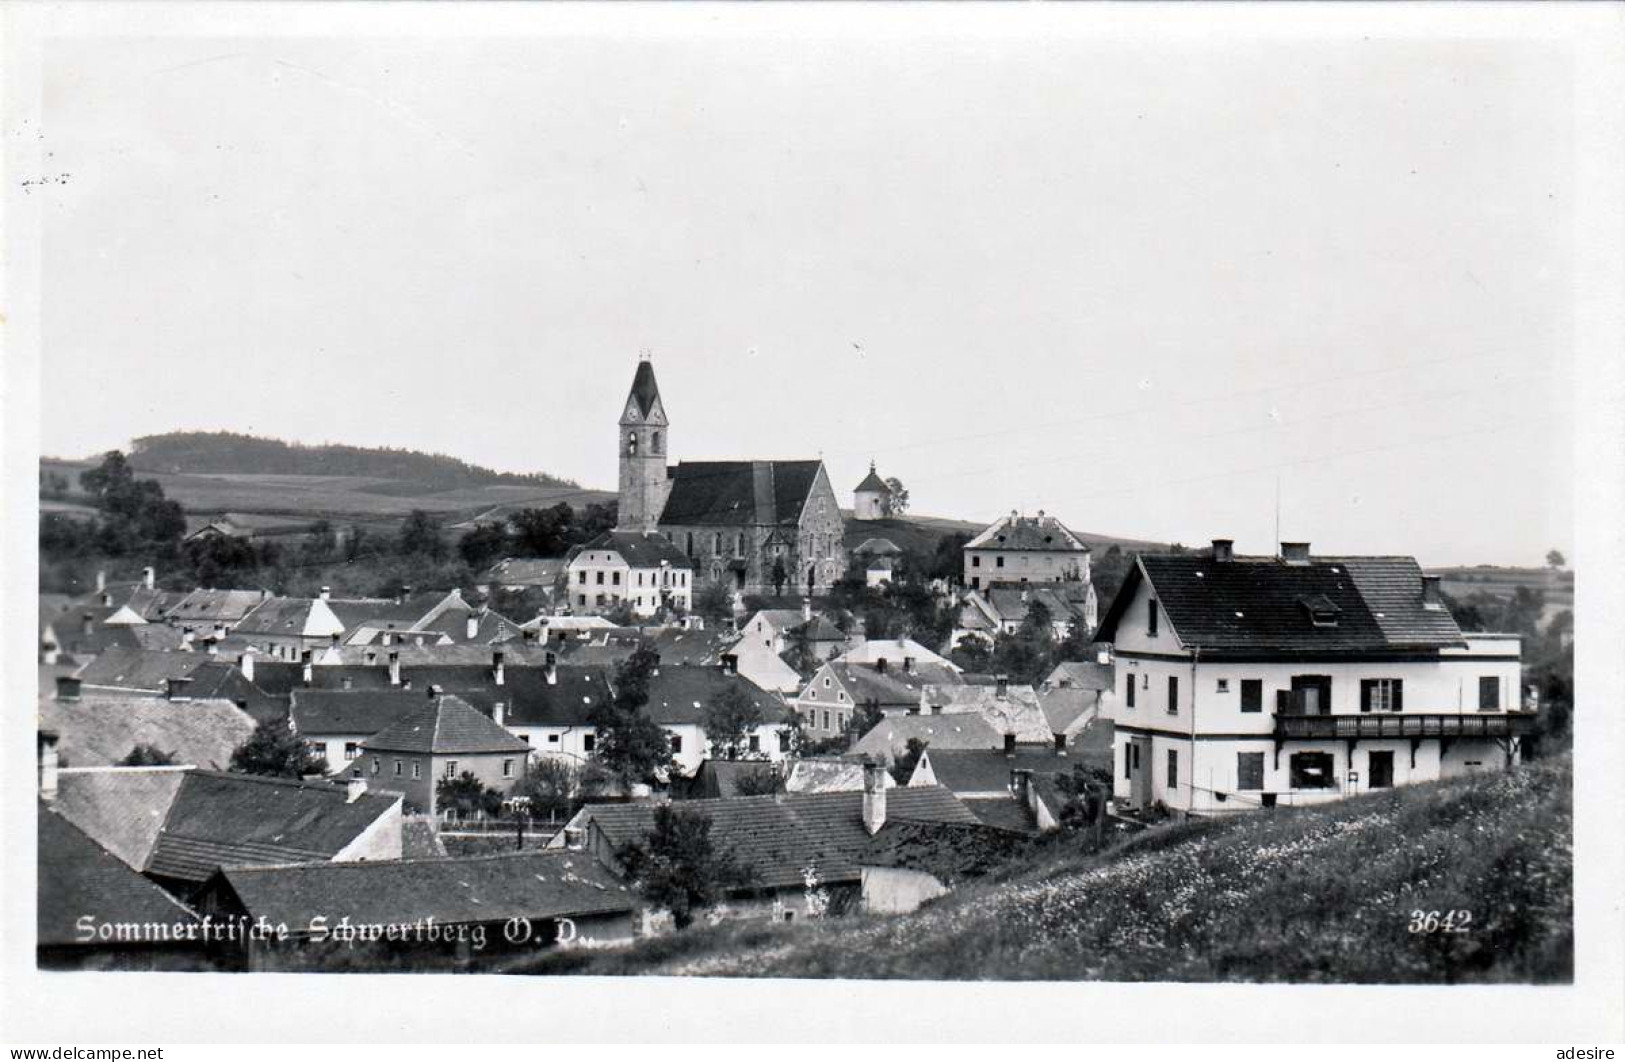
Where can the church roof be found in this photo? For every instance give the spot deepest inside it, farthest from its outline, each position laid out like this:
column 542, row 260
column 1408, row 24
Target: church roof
column 873, row 482
column 644, row 388
column 739, row 492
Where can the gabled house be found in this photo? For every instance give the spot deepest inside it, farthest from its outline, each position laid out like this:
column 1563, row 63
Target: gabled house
column 889, row 738
column 213, row 613
column 1002, row 609
column 1264, row 681
column 992, row 782
column 839, row 689
column 102, row 729
column 1011, row 709
column 283, row 626
column 444, row 739
column 639, row 570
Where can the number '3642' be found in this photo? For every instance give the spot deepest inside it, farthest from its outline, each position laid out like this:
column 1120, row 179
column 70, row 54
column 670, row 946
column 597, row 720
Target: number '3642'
column 1440, row 921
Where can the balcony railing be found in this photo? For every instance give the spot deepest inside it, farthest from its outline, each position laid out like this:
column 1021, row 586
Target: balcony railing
column 1405, row 725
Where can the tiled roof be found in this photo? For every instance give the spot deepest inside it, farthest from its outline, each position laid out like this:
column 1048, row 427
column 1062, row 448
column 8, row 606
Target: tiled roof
column 1063, row 600
column 82, row 645
column 380, row 612
column 280, row 615
column 719, row 779
column 680, row 695
column 528, row 571
column 492, row 629
column 894, row 651
column 889, row 737
column 1004, row 813
column 1016, row 711
column 341, row 712
column 988, row 770
column 1043, row 534
column 491, row 888
column 219, row 819
column 779, row 838
column 640, row 549
column 100, row 731
column 893, row 688
column 446, row 725
column 420, row 840
column 739, row 493
column 121, row 808
column 677, row 646
column 215, row 606
column 1066, row 708
column 150, row 670
column 1258, row 603
column 872, row 482
column 878, row 547
column 952, row 852
column 1083, row 674
column 828, row 775
column 80, row 878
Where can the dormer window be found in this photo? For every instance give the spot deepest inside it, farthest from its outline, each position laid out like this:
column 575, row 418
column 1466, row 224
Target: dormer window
column 1322, row 610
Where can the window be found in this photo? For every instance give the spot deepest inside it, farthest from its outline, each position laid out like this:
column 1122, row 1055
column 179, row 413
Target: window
column 1173, row 694
column 739, row 546
column 998, row 562
column 677, row 743
column 1173, row 768
column 1380, row 767
column 976, row 561
column 451, row 768
column 1252, row 695
column 581, row 599
column 1223, row 686
column 691, row 543
column 588, row 742
column 784, row 741
column 1128, row 761
column 1489, row 693
column 552, row 739
column 417, row 769
column 507, row 768
column 840, row 695
column 755, row 743
column 375, row 765
column 616, row 579
column 654, row 443
column 600, row 579
column 1250, row 770
column 351, row 750
column 1151, row 619
column 581, row 577
column 632, row 444
column 826, row 720
column 399, row 769
column 976, row 582
column 1382, row 695
column 826, row 682
column 1130, row 691
column 812, row 694
column 1311, row 770
column 716, row 543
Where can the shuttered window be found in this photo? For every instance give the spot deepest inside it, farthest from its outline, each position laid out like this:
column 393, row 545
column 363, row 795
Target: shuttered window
column 1173, row 768
column 1382, row 695
column 1173, row 694
column 1131, row 690
column 1489, row 693
column 1250, row 770
column 1252, row 695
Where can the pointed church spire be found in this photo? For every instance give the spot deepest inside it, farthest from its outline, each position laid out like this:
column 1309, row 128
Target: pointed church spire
column 644, row 389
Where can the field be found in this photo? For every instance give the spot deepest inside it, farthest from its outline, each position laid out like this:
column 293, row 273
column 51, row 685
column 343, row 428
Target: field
column 1327, row 894
column 1557, row 586
column 278, row 500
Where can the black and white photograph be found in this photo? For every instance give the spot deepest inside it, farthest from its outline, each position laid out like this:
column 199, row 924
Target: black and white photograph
column 775, row 505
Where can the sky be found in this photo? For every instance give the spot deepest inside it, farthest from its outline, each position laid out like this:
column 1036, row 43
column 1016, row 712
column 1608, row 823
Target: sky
column 1149, row 285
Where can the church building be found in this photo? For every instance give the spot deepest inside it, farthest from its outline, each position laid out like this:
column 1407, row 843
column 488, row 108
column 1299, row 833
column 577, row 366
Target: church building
column 758, row 527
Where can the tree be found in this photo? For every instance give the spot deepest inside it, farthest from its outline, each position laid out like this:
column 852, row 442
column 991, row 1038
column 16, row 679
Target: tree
column 714, row 602
column 780, row 575
column 767, row 781
column 420, row 535
column 144, row 755
column 798, row 650
column 466, row 795
column 548, row 788
column 974, row 653
column 484, row 543
column 730, row 720
column 1088, row 791
column 902, row 769
column 1555, row 560
column 543, row 532
column 895, row 502
column 627, row 743
column 679, row 867
column 274, row 749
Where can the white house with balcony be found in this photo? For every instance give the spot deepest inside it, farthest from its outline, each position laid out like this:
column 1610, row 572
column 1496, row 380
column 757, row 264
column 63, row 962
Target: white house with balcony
column 637, row 568
column 1270, row 681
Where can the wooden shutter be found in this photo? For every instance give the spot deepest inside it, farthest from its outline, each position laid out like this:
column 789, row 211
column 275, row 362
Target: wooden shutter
column 1398, row 698
column 1283, row 702
column 1366, row 686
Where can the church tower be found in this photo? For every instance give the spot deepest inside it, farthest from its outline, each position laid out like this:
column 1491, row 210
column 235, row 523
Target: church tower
column 642, row 443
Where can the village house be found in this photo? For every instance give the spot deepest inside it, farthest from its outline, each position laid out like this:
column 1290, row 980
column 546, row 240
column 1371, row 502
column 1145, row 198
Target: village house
column 1265, row 681
column 839, row 689
column 806, row 851
column 443, row 740
column 995, row 783
column 753, row 526
column 213, row 613
column 1002, row 609
column 103, row 729
column 639, row 570
column 475, row 902
column 1025, row 549
column 283, row 626
column 773, row 628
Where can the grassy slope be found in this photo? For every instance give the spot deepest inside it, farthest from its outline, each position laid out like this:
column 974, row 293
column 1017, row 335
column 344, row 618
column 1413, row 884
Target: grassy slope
column 1309, row 895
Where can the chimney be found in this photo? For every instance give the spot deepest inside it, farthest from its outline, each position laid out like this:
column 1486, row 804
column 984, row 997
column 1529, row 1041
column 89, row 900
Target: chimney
column 1001, row 686
column 406, row 592
column 246, row 663
column 434, row 691
column 1295, row 552
column 327, row 592
column 304, row 663
column 175, row 689
column 528, row 634
column 552, row 668
column 499, row 713
column 67, row 688
column 498, row 672
column 908, row 665
column 47, row 765
column 149, row 578
column 1224, row 550
column 1010, row 745
column 186, row 639
column 1104, row 657
column 335, row 642
column 101, row 581
column 656, row 669
column 354, row 786
column 1432, row 596
column 219, row 632
column 473, row 628
column 347, row 682
column 730, row 663
column 806, row 610
column 1060, row 744
column 87, row 622
column 874, row 795
column 394, row 668
column 107, row 599
column 213, row 648
column 880, row 666
column 389, row 634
